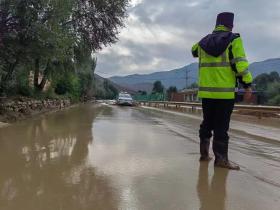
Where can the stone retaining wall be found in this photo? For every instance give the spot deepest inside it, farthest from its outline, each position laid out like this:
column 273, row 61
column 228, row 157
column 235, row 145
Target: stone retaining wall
column 28, row 106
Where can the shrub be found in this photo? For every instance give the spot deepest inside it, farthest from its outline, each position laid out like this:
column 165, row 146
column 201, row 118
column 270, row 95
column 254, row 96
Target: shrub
column 273, row 93
column 68, row 85
column 274, row 101
column 22, row 80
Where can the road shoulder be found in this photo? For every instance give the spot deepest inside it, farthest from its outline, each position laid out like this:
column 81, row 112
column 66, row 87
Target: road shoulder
column 251, row 127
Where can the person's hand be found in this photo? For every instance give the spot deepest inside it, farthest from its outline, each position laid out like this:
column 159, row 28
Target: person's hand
column 248, row 95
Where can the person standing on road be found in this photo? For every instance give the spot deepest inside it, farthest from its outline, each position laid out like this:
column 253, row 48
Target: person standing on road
column 222, row 64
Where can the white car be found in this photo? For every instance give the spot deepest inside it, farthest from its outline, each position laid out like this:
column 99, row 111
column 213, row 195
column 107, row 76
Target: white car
column 125, row 99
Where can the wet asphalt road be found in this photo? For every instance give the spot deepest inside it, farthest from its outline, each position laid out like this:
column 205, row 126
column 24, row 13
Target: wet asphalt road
column 108, row 157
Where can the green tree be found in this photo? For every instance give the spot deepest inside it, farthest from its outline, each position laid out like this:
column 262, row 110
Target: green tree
column 49, row 35
column 267, row 84
column 273, row 93
column 158, row 87
column 170, row 91
column 263, row 80
column 110, row 91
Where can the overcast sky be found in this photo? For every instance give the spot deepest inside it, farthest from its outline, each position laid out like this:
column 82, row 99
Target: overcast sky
column 160, row 33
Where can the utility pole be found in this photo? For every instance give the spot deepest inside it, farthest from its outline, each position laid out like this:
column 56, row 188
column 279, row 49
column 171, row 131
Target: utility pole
column 187, row 78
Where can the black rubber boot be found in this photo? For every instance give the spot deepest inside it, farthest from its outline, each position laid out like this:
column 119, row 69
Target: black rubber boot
column 226, row 164
column 204, row 150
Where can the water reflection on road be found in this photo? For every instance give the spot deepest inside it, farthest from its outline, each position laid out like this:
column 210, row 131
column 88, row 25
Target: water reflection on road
column 106, row 157
column 44, row 164
column 212, row 195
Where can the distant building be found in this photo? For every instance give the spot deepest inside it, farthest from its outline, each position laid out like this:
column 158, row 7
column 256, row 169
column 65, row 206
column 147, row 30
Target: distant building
column 186, row 95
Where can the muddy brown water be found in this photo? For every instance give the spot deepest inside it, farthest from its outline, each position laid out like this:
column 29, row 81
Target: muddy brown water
column 109, row 157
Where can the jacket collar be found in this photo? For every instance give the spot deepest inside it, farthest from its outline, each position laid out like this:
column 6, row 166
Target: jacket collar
column 221, row 28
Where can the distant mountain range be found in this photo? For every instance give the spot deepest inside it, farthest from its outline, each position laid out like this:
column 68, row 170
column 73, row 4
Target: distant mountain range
column 99, row 85
column 177, row 77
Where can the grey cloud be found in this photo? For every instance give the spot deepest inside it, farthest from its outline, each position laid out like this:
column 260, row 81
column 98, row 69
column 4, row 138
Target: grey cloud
column 141, row 55
column 257, row 21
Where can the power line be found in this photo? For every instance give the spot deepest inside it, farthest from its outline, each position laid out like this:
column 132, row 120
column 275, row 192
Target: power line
column 187, row 77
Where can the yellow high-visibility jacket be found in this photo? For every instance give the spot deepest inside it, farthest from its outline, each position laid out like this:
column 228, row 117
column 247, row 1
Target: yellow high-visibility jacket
column 218, row 73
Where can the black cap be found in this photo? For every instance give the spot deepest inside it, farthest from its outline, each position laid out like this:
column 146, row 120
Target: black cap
column 225, row 19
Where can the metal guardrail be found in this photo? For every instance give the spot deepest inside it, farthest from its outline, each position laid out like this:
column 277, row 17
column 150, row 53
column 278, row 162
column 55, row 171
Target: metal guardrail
column 257, row 108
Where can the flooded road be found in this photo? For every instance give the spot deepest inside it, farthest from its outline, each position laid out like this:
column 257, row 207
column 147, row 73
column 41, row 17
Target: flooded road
column 108, row 157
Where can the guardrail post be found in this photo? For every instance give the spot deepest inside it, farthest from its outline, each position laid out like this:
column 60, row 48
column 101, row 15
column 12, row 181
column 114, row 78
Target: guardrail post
column 260, row 115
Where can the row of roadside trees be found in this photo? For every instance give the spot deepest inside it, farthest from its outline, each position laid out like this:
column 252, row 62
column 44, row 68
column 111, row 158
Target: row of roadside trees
column 55, row 41
column 158, row 92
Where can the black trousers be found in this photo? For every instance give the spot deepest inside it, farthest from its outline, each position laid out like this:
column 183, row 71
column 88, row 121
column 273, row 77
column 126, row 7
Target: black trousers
column 216, row 119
